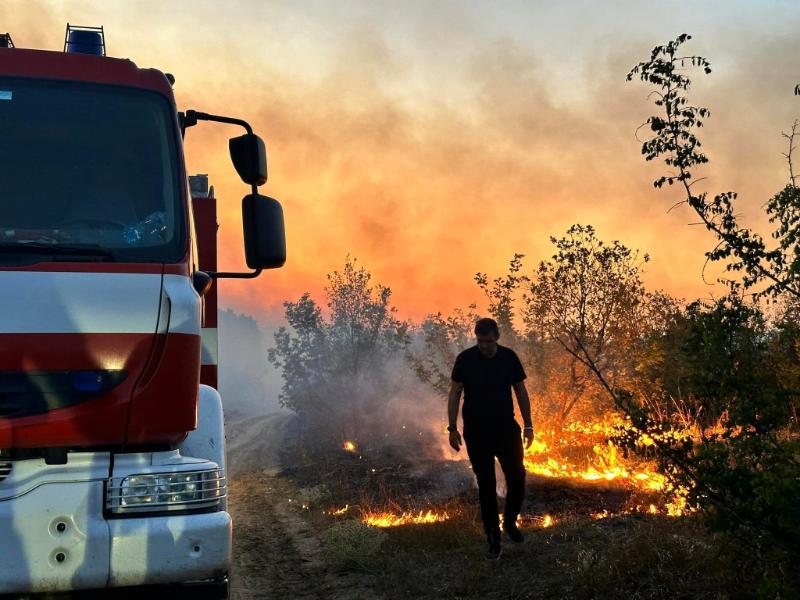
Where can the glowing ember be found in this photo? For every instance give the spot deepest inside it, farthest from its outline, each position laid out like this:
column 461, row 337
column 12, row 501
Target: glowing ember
column 519, row 522
column 387, row 519
column 349, row 446
column 679, row 505
column 548, row 521
column 338, row 512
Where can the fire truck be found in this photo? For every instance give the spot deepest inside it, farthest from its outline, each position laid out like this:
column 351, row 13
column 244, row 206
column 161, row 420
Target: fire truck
column 112, row 440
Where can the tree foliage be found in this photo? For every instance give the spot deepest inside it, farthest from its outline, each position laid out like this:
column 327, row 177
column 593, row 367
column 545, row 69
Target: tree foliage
column 742, row 469
column 337, row 368
column 675, row 140
column 588, row 293
column 440, row 339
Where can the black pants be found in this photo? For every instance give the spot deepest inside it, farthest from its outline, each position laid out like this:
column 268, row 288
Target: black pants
column 486, row 440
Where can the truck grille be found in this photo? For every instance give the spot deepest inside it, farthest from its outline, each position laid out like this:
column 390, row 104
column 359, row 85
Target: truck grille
column 5, row 470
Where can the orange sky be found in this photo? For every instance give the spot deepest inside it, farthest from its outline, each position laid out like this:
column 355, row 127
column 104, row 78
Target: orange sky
column 434, row 140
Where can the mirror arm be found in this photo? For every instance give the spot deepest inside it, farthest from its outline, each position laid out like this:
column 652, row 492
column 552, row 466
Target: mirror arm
column 223, row 275
column 191, row 117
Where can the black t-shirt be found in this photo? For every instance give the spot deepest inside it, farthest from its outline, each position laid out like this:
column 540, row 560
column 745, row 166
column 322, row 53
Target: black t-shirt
column 487, row 382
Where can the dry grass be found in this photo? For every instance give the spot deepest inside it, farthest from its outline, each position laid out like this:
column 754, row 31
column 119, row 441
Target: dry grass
column 350, row 544
column 626, row 556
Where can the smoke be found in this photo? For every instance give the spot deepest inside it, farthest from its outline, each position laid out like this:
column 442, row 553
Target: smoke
column 401, row 417
column 248, row 384
column 436, row 142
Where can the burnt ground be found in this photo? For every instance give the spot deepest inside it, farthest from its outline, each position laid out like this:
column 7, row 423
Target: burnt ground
column 278, row 544
column 282, row 518
column 287, row 544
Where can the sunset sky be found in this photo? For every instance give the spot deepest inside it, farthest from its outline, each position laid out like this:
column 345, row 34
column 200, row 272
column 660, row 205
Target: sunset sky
column 432, row 140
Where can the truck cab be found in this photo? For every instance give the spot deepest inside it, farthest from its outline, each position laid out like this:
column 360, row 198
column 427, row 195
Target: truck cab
column 112, row 444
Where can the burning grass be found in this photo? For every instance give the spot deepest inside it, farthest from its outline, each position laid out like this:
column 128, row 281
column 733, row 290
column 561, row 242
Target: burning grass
column 389, row 519
column 379, row 487
column 584, row 451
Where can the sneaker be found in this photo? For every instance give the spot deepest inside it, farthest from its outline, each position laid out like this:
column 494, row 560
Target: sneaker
column 495, row 550
column 513, row 533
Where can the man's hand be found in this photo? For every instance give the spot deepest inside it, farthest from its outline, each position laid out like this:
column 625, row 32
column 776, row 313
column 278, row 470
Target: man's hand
column 455, row 440
column 527, row 435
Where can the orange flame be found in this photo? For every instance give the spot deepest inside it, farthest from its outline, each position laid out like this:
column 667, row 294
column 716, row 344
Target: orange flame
column 388, row 519
column 603, row 465
column 349, row 446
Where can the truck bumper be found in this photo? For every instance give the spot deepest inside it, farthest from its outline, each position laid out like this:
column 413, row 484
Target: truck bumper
column 169, row 549
column 54, row 535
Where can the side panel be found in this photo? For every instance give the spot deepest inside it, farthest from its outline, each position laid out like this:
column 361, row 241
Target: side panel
column 205, row 216
column 208, row 440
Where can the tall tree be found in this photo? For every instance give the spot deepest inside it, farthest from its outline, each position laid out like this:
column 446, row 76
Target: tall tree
column 587, row 298
column 338, row 369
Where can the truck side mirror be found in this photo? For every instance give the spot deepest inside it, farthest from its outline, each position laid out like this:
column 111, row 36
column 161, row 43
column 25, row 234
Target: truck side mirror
column 249, row 156
column 264, row 233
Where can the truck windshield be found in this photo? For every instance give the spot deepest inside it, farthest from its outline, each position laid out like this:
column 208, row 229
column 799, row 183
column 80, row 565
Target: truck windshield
column 84, row 165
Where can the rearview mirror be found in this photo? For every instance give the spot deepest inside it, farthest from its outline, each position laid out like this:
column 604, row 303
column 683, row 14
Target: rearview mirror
column 264, row 233
column 249, row 156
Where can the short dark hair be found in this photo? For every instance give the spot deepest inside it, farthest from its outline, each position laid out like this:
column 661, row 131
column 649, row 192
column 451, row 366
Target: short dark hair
column 485, row 326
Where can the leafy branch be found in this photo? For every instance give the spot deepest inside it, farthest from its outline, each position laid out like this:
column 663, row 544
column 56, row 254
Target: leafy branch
column 675, row 140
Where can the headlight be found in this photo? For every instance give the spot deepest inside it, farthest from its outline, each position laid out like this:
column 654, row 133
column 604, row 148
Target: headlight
column 181, row 490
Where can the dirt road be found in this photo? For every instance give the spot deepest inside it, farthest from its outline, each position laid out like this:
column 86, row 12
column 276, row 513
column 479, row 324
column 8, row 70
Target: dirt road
column 276, row 554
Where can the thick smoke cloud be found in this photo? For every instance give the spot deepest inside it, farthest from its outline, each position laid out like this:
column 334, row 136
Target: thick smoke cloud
column 435, row 142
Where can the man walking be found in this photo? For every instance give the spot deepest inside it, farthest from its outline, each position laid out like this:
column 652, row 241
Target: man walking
column 486, row 373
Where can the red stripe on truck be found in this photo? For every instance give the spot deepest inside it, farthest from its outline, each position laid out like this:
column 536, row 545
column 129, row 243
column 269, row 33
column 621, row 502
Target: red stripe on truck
column 159, row 408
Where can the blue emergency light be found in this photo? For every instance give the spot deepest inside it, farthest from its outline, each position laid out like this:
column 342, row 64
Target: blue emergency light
column 85, row 40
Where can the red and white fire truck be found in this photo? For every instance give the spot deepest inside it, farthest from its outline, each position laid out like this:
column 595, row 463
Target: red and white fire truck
column 112, row 441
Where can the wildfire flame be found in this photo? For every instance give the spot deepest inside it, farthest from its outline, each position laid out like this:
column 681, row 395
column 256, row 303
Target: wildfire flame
column 558, row 455
column 388, row 519
column 547, row 457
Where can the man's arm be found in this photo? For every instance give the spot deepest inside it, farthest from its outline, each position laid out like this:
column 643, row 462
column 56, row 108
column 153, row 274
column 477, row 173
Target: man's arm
column 453, row 402
column 524, row 403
